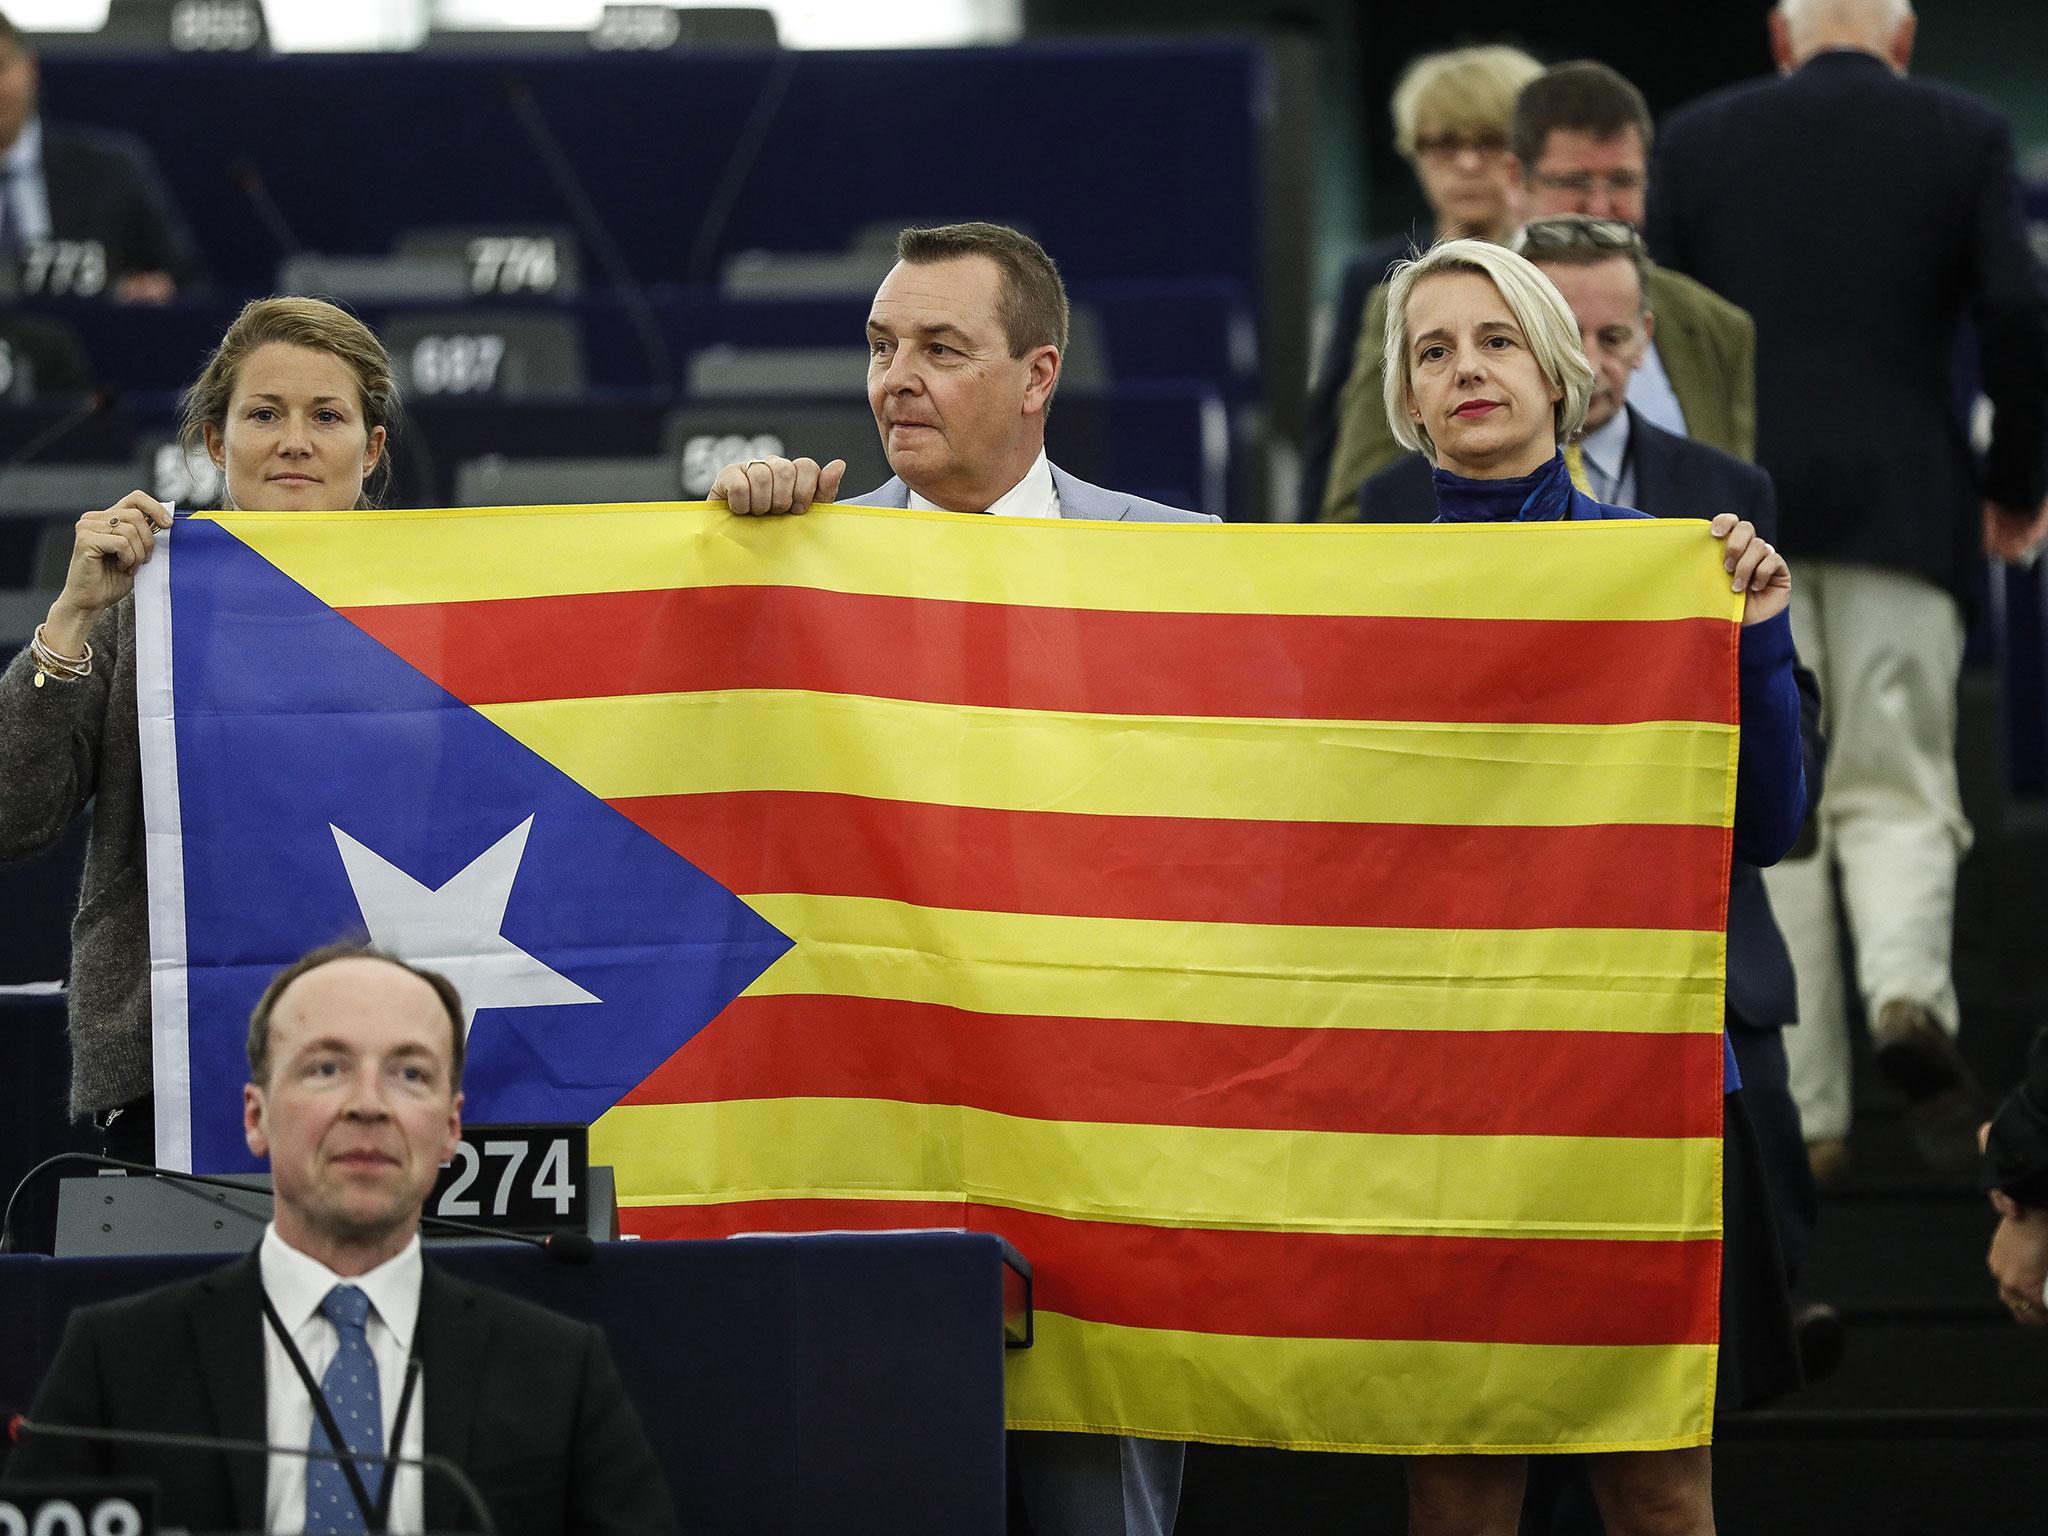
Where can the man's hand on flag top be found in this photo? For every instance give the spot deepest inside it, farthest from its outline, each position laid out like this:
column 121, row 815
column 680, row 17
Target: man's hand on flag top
column 1753, row 566
column 777, row 485
column 106, row 548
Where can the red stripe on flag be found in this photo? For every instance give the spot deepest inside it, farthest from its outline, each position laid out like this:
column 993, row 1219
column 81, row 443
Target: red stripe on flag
column 1335, row 667
column 1575, row 1291
column 1162, row 1072
column 1374, row 875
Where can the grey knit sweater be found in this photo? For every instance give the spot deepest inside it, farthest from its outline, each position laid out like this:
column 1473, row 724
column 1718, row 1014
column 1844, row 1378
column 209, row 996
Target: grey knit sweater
column 61, row 746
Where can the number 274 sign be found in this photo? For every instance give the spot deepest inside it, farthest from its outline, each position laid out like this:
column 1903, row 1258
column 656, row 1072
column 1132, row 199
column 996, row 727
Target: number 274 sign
column 521, row 1178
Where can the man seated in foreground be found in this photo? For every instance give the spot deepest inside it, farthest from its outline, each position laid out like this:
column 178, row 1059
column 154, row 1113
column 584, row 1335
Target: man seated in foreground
column 354, row 1099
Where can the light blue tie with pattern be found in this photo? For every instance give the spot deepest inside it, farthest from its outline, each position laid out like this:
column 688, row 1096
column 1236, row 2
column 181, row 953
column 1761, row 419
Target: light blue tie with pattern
column 350, row 1387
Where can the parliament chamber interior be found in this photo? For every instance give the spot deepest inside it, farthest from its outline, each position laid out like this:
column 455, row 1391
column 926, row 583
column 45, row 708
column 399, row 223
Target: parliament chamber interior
column 609, row 259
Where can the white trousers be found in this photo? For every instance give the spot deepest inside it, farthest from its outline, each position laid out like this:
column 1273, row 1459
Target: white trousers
column 1887, row 649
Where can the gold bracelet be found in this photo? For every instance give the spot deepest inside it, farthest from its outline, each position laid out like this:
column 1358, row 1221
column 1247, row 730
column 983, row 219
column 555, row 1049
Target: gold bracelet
column 53, row 664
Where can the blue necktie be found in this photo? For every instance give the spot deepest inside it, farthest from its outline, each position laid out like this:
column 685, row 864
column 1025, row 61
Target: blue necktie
column 350, row 1387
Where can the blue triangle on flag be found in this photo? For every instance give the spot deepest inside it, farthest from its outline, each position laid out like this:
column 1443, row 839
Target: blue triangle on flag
column 292, row 723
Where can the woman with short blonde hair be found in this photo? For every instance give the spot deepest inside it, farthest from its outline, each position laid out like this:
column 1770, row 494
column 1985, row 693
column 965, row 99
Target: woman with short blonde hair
column 1485, row 374
column 1547, row 324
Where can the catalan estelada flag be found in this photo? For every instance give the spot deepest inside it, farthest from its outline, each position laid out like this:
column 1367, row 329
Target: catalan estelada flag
column 1305, row 944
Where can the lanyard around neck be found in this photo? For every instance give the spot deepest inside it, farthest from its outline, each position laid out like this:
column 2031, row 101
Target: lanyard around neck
column 377, row 1515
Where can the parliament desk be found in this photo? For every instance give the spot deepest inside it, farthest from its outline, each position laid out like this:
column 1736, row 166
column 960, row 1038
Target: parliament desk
column 827, row 1383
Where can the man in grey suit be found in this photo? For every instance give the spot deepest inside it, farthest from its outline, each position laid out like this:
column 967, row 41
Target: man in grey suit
column 965, row 339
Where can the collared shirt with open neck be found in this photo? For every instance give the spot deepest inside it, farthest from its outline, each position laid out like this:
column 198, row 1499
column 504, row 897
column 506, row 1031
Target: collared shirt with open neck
column 1033, row 496
column 296, row 1283
column 1609, row 462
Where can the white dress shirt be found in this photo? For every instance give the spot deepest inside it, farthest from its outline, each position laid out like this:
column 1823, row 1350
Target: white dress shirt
column 28, row 197
column 1033, row 496
column 1610, row 467
column 297, row 1285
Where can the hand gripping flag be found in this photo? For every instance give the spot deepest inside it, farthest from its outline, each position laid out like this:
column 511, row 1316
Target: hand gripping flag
column 1305, row 944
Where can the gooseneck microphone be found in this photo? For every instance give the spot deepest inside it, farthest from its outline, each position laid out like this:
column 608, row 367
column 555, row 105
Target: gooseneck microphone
column 547, row 148
column 248, row 180
column 565, row 1246
column 98, row 403
column 15, row 1427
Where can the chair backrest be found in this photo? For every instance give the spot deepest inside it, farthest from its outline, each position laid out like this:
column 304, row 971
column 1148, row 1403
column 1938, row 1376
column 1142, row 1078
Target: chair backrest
column 819, row 373
column 497, row 481
column 806, row 274
column 376, row 279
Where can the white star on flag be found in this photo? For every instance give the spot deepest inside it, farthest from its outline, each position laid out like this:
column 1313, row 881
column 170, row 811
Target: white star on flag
column 456, row 929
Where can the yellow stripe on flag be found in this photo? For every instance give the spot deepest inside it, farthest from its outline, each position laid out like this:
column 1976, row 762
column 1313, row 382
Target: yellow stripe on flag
column 1226, row 1388
column 1649, row 980
column 1319, row 1181
column 367, row 559
column 1123, row 765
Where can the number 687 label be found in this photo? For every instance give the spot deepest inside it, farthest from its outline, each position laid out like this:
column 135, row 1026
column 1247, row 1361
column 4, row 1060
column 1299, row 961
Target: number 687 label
column 521, row 1178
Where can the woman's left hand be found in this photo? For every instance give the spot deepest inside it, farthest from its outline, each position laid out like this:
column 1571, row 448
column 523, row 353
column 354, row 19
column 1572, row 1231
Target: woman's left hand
column 1754, row 567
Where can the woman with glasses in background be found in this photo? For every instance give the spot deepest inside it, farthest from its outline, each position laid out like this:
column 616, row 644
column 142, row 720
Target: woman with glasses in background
column 1452, row 113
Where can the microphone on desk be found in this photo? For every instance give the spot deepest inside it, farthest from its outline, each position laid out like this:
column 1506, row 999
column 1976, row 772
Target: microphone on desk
column 561, row 170
column 565, row 1246
column 739, row 166
column 15, row 1426
column 255, row 191
column 98, row 403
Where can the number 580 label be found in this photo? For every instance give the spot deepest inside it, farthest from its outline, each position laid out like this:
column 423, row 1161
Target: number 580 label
column 521, row 1178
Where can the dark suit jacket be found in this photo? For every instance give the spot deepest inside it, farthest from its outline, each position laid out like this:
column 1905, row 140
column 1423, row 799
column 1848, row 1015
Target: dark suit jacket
column 527, row 1402
column 1679, row 478
column 1859, row 217
column 105, row 187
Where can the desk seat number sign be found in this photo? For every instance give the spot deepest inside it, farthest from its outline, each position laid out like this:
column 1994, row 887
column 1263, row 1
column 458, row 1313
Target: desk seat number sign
column 518, row 1178
column 77, row 1509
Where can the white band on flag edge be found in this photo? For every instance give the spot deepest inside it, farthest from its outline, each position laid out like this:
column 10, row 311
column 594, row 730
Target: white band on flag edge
column 156, row 722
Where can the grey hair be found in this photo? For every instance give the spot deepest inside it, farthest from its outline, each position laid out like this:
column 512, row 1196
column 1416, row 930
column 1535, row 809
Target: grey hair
column 1548, row 328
